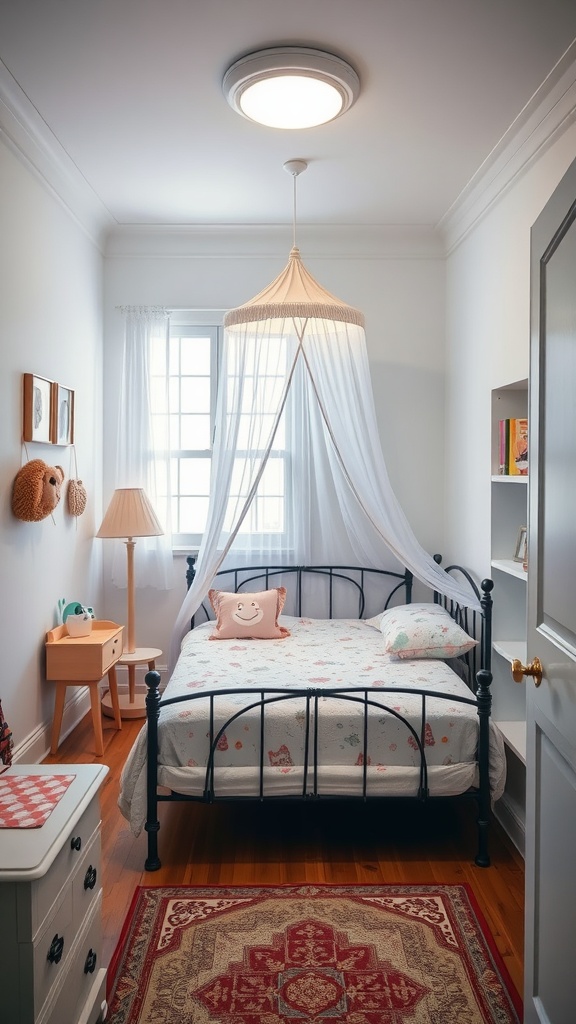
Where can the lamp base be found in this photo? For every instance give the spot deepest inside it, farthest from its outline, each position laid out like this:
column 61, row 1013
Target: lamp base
column 128, row 708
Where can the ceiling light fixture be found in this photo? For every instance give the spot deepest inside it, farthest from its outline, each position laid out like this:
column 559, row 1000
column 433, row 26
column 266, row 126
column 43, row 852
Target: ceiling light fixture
column 291, row 87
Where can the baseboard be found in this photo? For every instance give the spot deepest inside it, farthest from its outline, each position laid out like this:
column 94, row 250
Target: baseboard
column 511, row 817
column 36, row 746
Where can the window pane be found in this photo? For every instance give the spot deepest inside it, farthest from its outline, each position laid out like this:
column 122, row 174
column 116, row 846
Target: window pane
column 195, row 356
column 194, row 476
column 269, row 513
column 193, row 515
column 272, row 482
column 270, row 393
column 194, row 432
column 195, row 394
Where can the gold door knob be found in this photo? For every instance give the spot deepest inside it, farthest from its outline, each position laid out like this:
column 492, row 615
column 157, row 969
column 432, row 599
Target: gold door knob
column 519, row 671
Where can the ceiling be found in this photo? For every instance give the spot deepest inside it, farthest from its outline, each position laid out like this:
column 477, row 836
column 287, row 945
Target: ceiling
column 129, row 92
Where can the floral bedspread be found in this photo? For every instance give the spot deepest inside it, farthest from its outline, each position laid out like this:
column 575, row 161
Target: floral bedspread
column 319, row 654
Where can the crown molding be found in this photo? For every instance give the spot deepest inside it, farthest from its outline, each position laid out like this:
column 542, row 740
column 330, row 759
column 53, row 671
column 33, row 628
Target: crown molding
column 273, row 241
column 29, row 137
column 546, row 116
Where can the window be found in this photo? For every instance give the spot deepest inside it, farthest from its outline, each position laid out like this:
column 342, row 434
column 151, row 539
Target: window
column 185, row 380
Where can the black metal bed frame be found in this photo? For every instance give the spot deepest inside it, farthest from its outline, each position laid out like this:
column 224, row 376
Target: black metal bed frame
column 477, row 624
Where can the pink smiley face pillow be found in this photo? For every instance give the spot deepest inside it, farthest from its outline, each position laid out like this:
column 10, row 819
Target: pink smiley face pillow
column 248, row 616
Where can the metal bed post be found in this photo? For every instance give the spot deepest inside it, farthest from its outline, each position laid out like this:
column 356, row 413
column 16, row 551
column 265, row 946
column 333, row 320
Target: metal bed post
column 152, row 825
column 484, row 700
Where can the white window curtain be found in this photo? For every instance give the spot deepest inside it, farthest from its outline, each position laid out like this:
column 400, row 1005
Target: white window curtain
column 318, row 404
column 142, row 444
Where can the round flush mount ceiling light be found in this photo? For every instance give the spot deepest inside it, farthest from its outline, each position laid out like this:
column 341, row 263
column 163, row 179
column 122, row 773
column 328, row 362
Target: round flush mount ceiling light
column 291, row 87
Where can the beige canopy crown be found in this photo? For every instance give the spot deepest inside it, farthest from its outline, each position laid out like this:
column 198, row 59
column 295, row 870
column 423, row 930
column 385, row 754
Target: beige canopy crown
column 294, row 293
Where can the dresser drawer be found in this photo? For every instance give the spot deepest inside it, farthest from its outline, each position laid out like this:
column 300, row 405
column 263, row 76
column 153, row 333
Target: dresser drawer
column 52, row 950
column 111, row 651
column 87, row 881
column 82, row 984
column 36, row 899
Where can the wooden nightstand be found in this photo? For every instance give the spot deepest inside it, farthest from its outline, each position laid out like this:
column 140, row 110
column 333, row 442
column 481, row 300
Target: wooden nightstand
column 83, row 661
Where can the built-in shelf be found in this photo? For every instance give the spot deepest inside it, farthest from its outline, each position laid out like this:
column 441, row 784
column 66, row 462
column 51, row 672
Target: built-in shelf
column 514, row 734
column 500, row 478
column 509, row 566
column 511, row 649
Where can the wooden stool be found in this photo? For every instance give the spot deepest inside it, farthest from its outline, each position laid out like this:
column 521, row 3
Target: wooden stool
column 132, row 704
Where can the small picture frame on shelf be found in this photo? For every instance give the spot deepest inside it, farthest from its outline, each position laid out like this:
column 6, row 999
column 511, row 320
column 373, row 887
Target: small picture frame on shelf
column 62, row 415
column 520, row 554
column 38, row 408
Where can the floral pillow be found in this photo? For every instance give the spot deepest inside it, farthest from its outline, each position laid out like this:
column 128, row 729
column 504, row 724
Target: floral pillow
column 423, row 631
column 248, row 616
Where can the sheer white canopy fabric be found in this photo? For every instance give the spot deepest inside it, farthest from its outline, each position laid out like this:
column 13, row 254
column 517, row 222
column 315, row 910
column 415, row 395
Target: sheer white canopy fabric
column 296, row 423
column 143, row 430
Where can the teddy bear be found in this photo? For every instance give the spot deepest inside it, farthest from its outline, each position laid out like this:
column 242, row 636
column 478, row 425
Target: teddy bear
column 36, row 490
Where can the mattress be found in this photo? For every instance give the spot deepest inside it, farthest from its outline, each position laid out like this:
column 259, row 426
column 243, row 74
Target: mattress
column 320, row 655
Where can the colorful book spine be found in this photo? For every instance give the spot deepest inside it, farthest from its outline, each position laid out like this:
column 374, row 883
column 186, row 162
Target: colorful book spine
column 518, row 447
column 503, row 431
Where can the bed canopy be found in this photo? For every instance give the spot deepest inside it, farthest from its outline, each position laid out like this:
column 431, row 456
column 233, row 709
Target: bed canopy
column 294, row 377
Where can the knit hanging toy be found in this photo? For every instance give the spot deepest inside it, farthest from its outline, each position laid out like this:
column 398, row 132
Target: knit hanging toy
column 77, row 497
column 36, row 490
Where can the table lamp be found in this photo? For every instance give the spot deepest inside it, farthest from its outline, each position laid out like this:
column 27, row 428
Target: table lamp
column 130, row 515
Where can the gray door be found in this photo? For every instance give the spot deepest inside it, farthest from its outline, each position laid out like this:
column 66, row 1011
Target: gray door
column 550, row 957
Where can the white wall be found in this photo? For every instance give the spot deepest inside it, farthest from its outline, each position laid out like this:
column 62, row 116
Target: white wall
column 50, row 324
column 487, row 339
column 396, row 278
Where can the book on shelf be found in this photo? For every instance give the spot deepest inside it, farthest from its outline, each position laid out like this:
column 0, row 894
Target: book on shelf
column 503, row 433
column 513, row 447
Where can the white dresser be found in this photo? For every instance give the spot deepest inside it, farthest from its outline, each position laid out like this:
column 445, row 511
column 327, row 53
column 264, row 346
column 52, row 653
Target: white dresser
column 51, row 969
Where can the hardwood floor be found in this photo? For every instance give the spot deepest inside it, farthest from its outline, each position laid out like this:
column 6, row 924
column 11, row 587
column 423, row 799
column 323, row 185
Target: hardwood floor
column 247, row 844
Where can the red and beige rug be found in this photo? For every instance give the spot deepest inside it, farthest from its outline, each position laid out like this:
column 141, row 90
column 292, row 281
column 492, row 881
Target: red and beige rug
column 387, row 954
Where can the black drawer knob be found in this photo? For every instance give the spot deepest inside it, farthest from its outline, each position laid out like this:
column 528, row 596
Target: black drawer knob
column 90, row 878
column 90, row 965
column 76, row 843
column 56, row 949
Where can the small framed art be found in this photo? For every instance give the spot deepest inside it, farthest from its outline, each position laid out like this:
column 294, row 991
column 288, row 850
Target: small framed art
column 38, row 409
column 521, row 545
column 62, row 415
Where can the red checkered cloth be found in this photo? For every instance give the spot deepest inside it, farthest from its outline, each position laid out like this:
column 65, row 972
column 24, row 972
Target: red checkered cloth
column 26, row 801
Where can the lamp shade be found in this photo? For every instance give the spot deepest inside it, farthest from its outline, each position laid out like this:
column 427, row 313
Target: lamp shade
column 130, row 514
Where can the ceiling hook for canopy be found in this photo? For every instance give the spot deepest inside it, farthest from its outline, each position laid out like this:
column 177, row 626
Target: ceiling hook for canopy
column 294, row 167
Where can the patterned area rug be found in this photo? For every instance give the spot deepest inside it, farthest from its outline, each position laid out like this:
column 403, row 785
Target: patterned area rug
column 385, row 954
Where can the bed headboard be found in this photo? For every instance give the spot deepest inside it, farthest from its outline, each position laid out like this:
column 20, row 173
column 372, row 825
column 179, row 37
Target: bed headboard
column 476, row 623
column 320, row 591
column 344, row 591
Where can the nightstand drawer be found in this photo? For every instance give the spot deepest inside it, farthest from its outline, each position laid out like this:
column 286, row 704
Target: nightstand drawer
column 75, row 659
column 111, row 651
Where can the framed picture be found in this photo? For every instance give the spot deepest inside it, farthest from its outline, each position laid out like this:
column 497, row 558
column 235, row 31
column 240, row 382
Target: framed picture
column 62, row 415
column 38, row 409
column 521, row 545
